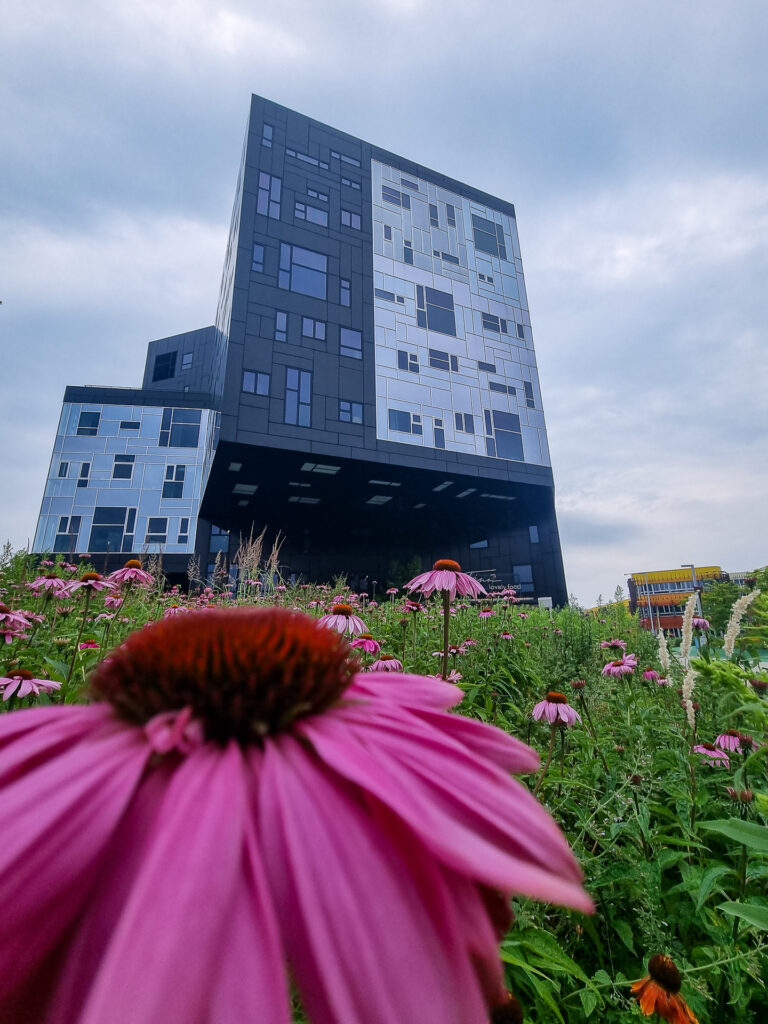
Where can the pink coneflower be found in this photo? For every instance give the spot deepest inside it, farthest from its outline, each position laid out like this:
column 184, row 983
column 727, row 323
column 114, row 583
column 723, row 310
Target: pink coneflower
column 244, row 789
column 46, row 562
column 90, row 581
column 621, row 667
column 732, row 739
column 699, row 623
column 506, row 636
column 111, row 601
column 713, row 753
column 51, row 582
column 413, row 606
column 486, row 613
column 171, row 610
column 88, row 645
column 446, row 574
column 8, row 635
column 759, row 685
column 452, row 677
column 343, row 620
column 365, row 642
column 523, row 615
column 613, row 645
column 22, row 683
column 392, row 590
column 578, row 684
column 662, row 682
column 651, row 675
column 555, row 708
column 131, row 573
column 386, row 663
column 12, row 620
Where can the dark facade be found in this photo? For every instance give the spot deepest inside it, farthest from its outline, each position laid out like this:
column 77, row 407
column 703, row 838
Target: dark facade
column 369, row 387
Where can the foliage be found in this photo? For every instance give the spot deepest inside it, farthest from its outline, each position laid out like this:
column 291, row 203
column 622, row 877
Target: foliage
column 675, row 864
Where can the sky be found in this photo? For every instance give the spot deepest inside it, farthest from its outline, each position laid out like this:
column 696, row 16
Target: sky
column 630, row 136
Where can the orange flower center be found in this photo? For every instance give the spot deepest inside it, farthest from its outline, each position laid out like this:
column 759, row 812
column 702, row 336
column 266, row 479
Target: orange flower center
column 663, row 971
column 556, row 698
column 20, row 673
column 447, row 564
column 245, row 672
column 342, row 609
column 365, row 636
column 87, row 577
column 132, row 563
column 4, row 609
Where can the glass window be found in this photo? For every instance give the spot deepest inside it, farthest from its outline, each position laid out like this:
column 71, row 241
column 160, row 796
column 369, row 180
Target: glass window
column 63, row 469
column 350, row 219
column 479, row 544
column 109, row 523
column 303, row 211
column 407, row 361
column 433, row 218
column 88, row 424
column 533, row 533
column 464, row 422
column 520, row 331
column 298, row 396
column 165, row 366
column 219, row 539
column 281, row 326
column 157, row 530
column 391, row 195
column 408, row 253
column 451, row 212
column 487, row 367
column 345, row 292
column 489, row 237
column 268, row 195
column 443, row 361
column 173, row 485
column 350, row 412
column 183, row 530
column 180, row 428
column 313, row 328
column 67, row 534
column 406, row 422
column 123, row 467
column 387, row 233
column 255, row 383
column 130, row 425
column 314, row 194
column 85, row 471
column 257, row 262
column 350, row 343
column 186, row 361
column 303, row 271
column 267, row 133
column 495, row 324
column 434, row 309
column 529, row 399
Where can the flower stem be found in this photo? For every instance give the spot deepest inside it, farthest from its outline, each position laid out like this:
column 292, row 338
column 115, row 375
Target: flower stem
column 79, row 636
column 446, row 629
column 552, row 734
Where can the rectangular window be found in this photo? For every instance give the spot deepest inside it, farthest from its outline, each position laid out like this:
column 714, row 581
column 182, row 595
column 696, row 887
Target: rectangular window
column 451, row 212
column 409, row 184
column 345, row 292
column 219, row 539
column 88, row 424
column 487, row 367
column 350, row 343
column 433, row 218
column 303, row 270
column 173, row 485
column 63, row 470
column 110, row 523
column 268, row 195
column 312, row 328
column 180, row 428
column 495, row 324
column 85, row 472
column 313, row 214
column 529, row 399
column 387, row 232
column 122, row 468
column 486, row 277
column 298, row 396
column 443, row 361
column 255, row 383
column 405, row 422
column 448, row 257
column 186, row 361
column 533, row 534
column 381, row 293
column 465, row 422
column 314, row 194
column 267, row 133
column 391, row 195
column 350, row 412
column 520, row 331
column 157, row 530
column 509, row 443
column 130, row 425
column 183, row 531
column 257, row 263
column 501, row 389
column 350, row 219
column 67, row 533
column 165, row 366
column 281, row 325
column 439, row 434
column 408, row 253
column 489, row 237
column 351, row 184
column 407, row 361
column 479, row 544
column 434, row 309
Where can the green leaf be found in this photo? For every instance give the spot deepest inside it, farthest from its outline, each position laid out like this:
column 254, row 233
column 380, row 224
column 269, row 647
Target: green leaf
column 550, row 955
column 602, row 977
column 747, row 832
column 589, row 1000
column 749, row 912
column 708, row 880
column 624, row 932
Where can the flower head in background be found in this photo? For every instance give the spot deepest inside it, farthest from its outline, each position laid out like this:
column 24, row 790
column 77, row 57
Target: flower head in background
column 713, row 753
column 90, row 582
column 659, row 992
column 365, row 642
column 12, row 620
column 446, row 574
column 386, row 663
column 555, row 709
column 342, row 618
column 131, row 573
column 651, row 675
column 21, row 683
column 734, row 740
column 698, row 622
column 613, row 645
column 51, row 583
column 236, row 785
column 621, row 667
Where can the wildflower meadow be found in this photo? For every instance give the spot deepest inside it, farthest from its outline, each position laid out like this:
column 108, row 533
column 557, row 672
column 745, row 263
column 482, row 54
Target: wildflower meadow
column 624, row 874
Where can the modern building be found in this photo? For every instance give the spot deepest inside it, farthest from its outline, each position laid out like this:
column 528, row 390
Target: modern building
column 659, row 597
column 369, row 387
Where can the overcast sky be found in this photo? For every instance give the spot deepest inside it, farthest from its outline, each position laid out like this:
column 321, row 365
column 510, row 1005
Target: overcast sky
column 631, row 137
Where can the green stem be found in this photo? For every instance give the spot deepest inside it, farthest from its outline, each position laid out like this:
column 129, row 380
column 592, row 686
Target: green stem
column 79, row 636
column 552, row 734
column 446, row 629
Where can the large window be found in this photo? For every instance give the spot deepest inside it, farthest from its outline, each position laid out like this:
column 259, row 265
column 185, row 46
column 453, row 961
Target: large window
column 434, row 309
column 85, row 472
column 311, row 328
column 66, row 535
column 173, row 485
column 350, row 343
column 350, row 412
column 350, row 219
column 113, row 528
column 303, row 271
column 405, row 422
column 255, row 383
column 180, row 428
column 442, row 360
column 88, row 424
column 122, row 469
column 165, row 366
column 304, row 211
column 503, row 439
column 489, row 237
column 268, row 196
column 157, row 530
column 407, row 361
column 298, row 397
